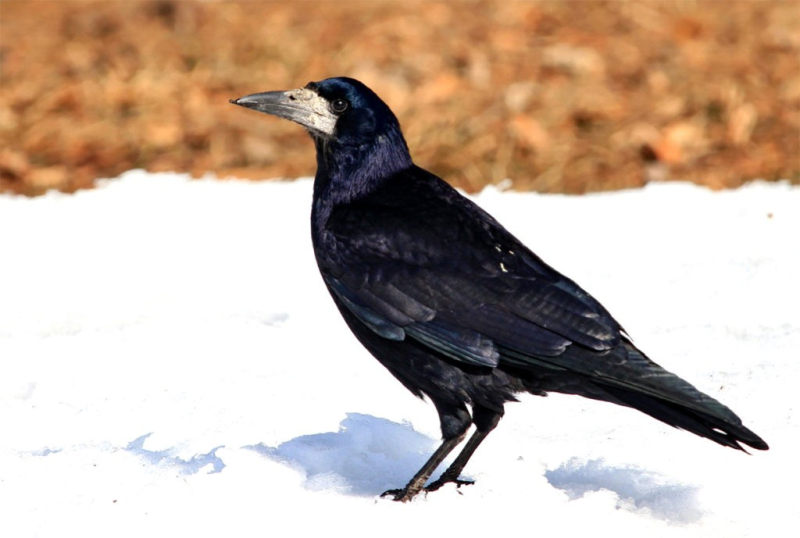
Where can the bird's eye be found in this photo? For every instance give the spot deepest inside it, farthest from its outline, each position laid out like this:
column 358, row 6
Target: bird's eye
column 339, row 105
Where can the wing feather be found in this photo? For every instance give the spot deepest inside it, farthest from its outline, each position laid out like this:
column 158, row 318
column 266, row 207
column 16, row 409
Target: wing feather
column 461, row 285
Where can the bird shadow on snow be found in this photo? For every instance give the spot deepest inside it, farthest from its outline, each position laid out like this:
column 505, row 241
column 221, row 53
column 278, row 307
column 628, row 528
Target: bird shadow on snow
column 165, row 458
column 367, row 456
column 636, row 488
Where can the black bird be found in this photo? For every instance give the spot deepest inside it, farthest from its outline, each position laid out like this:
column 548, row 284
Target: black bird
column 451, row 303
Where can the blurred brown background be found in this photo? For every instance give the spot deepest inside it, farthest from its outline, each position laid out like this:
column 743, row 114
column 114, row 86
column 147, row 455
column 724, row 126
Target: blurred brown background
column 563, row 96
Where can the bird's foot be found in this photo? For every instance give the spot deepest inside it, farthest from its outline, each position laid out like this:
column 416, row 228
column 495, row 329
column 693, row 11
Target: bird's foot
column 433, row 486
column 406, row 494
column 402, row 495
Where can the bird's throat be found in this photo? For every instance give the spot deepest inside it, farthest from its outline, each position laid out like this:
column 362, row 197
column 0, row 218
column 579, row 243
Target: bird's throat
column 346, row 173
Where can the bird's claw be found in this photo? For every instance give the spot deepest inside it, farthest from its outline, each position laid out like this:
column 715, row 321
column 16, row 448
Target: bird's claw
column 402, row 495
column 439, row 483
column 405, row 495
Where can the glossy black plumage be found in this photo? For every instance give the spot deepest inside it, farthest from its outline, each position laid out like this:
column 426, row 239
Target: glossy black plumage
column 452, row 304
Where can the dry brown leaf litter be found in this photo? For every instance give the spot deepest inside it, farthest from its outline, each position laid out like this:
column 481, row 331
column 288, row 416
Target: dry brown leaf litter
column 558, row 96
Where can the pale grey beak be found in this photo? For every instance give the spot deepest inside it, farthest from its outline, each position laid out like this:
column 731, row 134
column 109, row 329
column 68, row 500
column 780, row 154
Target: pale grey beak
column 303, row 106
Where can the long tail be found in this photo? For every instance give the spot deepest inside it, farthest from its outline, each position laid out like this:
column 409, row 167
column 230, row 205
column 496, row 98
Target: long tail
column 728, row 431
column 625, row 376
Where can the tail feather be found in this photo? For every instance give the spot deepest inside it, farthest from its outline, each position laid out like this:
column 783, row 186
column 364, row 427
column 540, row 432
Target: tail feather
column 729, row 432
column 626, row 376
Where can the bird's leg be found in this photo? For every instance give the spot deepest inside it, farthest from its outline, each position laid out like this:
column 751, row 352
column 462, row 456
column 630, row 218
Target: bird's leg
column 485, row 420
column 455, row 421
column 454, row 471
column 422, row 476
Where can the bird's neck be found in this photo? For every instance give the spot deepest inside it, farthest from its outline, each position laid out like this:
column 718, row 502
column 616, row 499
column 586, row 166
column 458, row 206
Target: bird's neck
column 346, row 173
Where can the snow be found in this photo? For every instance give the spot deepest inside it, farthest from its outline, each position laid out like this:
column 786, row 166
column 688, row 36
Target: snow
column 171, row 364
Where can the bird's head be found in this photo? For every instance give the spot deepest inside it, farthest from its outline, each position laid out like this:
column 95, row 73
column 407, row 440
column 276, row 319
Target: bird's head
column 341, row 110
column 358, row 138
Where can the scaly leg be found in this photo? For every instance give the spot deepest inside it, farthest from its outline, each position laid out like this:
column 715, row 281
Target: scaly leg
column 416, row 484
column 485, row 420
column 454, row 471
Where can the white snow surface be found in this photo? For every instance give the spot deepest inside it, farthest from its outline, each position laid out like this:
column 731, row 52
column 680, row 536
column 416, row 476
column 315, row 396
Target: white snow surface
column 172, row 365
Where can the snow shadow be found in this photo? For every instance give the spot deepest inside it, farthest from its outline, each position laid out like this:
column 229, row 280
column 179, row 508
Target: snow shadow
column 637, row 489
column 164, row 458
column 367, row 456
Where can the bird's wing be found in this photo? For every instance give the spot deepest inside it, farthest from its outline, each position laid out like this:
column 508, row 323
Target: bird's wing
column 438, row 269
column 452, row 278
